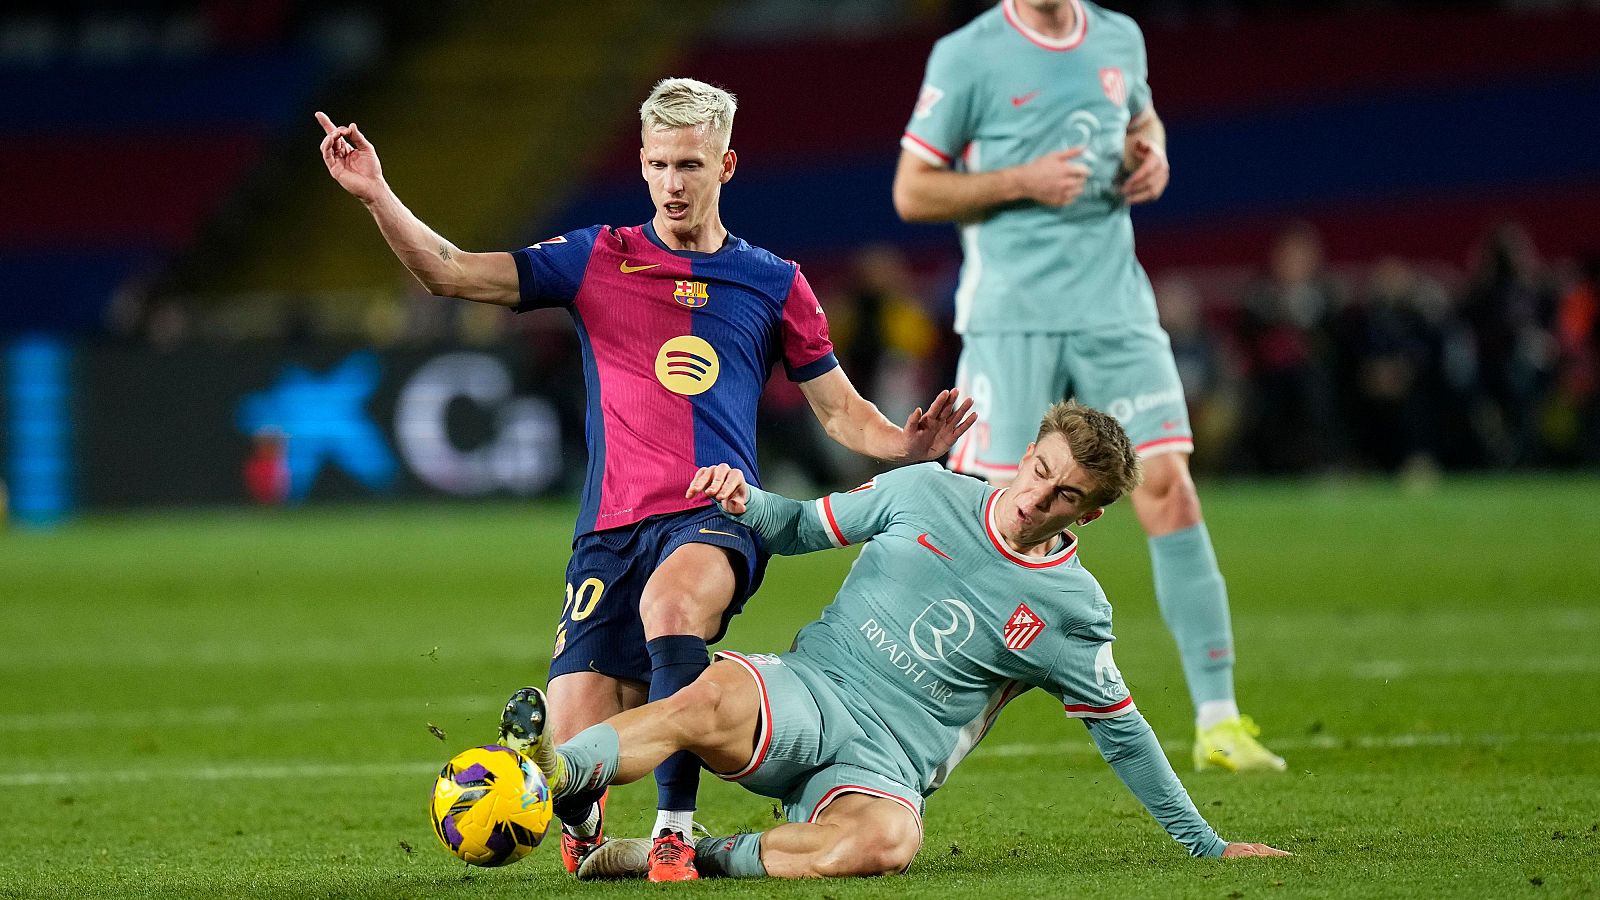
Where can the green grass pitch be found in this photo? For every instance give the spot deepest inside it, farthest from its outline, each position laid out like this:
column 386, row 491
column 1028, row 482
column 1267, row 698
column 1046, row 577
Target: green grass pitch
column 238, row 704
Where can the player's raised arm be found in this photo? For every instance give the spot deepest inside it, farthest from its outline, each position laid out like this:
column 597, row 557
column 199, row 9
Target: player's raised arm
column 442, row 267
column 855, row 421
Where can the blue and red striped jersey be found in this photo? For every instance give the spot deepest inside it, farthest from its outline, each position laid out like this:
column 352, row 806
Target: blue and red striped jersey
column 677, row 346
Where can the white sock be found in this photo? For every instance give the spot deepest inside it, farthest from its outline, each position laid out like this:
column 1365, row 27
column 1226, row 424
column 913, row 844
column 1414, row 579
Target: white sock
column 588, row 828
column 678, row 820
column 1213, row 711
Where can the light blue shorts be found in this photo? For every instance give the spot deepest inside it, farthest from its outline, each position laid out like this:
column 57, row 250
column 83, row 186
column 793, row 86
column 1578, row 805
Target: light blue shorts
column 810, row 749
column 1013, row 378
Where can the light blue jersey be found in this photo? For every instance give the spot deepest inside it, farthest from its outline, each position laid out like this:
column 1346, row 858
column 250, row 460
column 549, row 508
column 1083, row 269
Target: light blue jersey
column 996, row 94
column 940, row 624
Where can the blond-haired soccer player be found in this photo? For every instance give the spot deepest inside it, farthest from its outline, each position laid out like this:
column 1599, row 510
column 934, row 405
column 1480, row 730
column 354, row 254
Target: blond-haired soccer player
column 679, row 322
column 964, row 597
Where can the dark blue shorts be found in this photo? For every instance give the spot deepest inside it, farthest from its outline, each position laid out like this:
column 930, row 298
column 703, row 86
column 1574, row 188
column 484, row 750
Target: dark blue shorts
column 600, row 629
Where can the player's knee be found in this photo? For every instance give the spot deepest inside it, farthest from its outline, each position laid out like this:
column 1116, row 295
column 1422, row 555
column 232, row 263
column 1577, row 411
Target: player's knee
column 1170, row 492
column 669, row 611
column 698, row 700
column 698, row 711
column 675, row 611
column 885, row 850
column 891, row 856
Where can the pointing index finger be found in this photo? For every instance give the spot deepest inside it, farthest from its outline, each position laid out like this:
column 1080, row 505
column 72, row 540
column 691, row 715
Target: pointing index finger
column 325, row 122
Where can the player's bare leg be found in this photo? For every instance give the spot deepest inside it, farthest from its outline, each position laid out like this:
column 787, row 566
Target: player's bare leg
column 681, row 608
column 581, row 699
column 715, row 718
column 855, row 835
column 1166, row 501
column 1194, row 602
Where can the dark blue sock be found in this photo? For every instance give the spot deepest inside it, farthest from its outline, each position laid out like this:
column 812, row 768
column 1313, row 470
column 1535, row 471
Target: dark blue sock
column 676, row 660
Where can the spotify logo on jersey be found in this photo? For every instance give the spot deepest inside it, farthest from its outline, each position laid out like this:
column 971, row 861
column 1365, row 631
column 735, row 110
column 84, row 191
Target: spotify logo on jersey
column 686, row 365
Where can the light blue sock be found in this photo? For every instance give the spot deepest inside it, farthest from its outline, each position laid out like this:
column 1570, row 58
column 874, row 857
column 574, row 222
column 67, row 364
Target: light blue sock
column 1194, row 603
column 735, row 856
column 591, row 758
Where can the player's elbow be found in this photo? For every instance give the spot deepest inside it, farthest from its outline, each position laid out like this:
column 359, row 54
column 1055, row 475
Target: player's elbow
column 910, row 205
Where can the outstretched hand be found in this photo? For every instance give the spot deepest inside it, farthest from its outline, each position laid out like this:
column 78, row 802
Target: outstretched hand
column 1236, row 850
column 351, row 159
column 722, row 483
column 930, row 435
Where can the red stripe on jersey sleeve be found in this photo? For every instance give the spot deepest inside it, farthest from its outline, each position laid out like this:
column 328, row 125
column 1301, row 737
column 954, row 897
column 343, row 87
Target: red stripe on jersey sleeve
column 833, row 524
column 1087, row 708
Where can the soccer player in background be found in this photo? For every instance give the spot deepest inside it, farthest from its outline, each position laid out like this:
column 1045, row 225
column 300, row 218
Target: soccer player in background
column 680, row 322
column 1035, row 131
column 964, row 597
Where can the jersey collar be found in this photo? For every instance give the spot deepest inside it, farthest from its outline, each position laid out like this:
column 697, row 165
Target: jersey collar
column 1068, row 549
column 1070, row 42
column 729, row 244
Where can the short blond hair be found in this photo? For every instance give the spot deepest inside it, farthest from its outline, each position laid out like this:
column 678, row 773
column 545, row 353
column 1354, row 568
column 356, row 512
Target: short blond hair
column 1099, row 444
column 687, row 103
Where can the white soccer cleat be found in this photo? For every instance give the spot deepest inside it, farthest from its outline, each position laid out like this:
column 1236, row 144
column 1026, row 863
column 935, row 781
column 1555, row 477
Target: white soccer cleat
column 617, row 858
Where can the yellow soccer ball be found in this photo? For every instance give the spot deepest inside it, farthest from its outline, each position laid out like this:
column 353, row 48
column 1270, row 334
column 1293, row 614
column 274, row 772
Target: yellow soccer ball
column 491, row 806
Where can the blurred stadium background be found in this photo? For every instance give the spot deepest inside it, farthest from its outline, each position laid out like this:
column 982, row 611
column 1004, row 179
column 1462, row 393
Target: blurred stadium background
column 1378, row 253
column 1379, row 260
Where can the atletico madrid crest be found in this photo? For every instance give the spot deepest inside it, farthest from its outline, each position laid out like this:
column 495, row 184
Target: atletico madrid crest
column 1022, row 628
column 1116, row 89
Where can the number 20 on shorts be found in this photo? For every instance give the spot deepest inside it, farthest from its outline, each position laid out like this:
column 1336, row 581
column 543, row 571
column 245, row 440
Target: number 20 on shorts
column 580, row 603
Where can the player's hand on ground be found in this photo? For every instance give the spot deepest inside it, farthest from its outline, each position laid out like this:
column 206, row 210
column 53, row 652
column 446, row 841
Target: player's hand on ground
column 931, row 434
column 351, row 159
column 722, row 483
column 1236, row 850
column 1054, row 179
column 1148, row 171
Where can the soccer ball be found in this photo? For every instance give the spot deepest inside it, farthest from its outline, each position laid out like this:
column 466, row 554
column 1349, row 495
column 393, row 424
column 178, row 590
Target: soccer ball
column 491, row 806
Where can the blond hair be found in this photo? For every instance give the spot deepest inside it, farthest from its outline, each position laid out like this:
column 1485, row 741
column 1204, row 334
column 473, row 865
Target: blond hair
column 687, row 103
column 1099, row 444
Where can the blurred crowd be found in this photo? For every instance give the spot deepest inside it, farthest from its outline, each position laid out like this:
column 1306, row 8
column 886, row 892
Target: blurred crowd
column 1298, row 368
column 1392, row 367
column 1301, row 368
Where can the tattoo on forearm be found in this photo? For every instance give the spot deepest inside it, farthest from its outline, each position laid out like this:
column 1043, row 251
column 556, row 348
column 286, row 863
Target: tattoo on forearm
column 444, row 251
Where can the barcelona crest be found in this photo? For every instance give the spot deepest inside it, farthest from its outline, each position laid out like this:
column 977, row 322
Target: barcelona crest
column 690, row 293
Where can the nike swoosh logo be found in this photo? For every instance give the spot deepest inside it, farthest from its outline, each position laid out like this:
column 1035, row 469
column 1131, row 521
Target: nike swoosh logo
column 923, row 540
column 1019, row 101
column 712, row 531
column 629, row 270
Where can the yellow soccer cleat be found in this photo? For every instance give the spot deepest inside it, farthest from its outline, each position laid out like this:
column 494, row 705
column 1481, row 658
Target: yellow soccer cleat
column 1231, row 745
column 523, row 729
